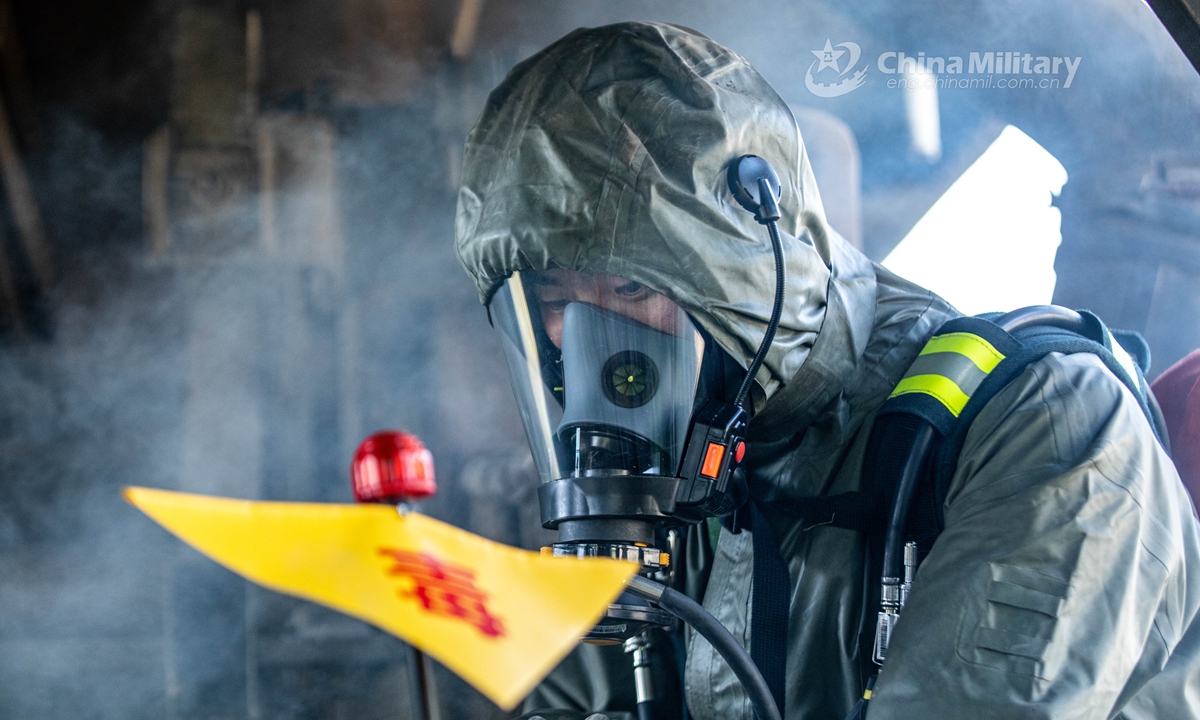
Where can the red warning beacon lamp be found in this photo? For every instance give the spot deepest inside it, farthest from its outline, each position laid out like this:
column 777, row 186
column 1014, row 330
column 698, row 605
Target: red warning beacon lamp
column 392, row 467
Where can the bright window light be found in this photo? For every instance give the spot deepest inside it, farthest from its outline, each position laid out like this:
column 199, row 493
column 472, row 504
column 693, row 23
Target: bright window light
column 989, row 242
column 924, row 120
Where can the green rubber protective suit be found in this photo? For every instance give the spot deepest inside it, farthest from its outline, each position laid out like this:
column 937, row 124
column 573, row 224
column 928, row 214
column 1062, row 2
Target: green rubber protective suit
column 1067, row 581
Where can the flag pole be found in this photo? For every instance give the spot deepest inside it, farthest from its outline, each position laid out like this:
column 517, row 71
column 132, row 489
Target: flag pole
column 418, row 687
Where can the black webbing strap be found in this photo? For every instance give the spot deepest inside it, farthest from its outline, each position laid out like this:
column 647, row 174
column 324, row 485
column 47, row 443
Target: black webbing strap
column 864, row 512
column 867, row 510
column 771, row 595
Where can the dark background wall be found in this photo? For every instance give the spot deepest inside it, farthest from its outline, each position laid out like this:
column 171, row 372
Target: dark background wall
column 240, row 262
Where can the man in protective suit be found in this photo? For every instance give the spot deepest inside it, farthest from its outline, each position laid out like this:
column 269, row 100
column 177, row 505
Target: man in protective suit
column 1066, row 581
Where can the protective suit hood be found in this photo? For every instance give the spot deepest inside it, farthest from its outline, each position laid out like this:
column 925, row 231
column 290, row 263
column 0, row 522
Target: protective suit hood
column 607, row 152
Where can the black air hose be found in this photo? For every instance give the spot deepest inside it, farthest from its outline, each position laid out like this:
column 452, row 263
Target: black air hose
column 893, row 547
column 711, row 629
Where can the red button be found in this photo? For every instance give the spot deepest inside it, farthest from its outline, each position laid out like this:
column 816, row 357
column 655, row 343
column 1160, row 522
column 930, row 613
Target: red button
column 392, row 466
column 740, row 452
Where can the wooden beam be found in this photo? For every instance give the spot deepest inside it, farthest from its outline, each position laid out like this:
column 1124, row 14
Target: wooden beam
column 254, row 59
column 466, row 25
column 156, row 206
column 24, row 208
column 16, row 79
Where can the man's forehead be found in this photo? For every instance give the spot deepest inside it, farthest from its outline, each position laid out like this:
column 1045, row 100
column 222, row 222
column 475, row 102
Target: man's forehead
column 560, row 277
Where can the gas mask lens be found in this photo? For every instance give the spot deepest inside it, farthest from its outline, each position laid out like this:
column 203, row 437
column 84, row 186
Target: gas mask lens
column 605, row 372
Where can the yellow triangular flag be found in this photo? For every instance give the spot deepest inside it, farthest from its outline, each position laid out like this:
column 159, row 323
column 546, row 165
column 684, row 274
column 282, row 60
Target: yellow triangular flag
column 500, row 617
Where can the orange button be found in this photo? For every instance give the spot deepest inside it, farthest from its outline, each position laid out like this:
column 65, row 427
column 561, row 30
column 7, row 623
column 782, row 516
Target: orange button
column 712, row 460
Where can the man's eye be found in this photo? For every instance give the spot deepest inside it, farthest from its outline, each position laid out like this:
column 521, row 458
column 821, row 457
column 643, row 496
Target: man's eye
column 630, row 289
column 556, row 305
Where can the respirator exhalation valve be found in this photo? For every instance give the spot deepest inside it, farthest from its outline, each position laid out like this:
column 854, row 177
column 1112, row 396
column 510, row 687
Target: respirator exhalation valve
column 629, row 379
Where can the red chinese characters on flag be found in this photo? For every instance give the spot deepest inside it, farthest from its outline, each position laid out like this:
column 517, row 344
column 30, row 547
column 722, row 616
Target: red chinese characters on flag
column 443, row 589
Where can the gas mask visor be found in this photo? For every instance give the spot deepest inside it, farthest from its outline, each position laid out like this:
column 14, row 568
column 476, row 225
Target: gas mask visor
column 604, row 370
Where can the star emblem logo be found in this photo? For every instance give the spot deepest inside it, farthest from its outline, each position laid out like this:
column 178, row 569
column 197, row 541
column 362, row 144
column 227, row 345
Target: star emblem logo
column 848, row 78
column 829, row 57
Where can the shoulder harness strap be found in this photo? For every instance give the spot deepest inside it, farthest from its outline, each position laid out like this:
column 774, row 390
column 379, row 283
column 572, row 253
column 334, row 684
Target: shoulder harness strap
column 979, row 359
column 962, row 366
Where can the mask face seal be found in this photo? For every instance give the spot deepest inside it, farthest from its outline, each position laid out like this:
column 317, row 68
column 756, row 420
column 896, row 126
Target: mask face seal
column 603, row 396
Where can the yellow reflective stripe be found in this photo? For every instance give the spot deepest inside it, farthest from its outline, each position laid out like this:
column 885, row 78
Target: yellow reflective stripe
column 866, row 694
column 978, row 350
column 939, row 387
column 939, row 375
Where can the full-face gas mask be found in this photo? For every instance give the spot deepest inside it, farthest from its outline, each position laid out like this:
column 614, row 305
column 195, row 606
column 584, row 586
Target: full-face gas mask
column 627, row 406
column 608, row 400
